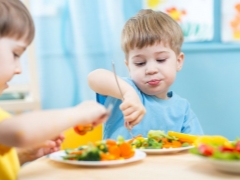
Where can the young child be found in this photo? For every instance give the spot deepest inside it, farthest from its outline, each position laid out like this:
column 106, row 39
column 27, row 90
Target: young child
column 31, row 130
column 152, row 44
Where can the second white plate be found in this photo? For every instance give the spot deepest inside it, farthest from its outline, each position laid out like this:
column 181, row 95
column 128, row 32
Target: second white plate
column 166, row 150
column 224, row 165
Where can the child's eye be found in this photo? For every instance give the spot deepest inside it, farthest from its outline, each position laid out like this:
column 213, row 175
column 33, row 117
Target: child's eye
column 140, row 63
column 16, row 55
column 161, row 60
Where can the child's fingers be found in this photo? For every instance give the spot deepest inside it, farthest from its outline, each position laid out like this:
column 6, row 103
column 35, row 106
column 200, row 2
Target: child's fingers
column 128, row 111
column 100, row 120
column 137, row 121
column 133, row 116
column 125, row 105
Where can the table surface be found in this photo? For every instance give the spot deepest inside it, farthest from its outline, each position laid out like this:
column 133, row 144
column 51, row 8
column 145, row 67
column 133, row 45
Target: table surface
column 168, row 166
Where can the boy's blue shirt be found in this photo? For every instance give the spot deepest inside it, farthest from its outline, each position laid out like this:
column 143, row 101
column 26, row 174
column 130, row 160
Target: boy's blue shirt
column 173, row 114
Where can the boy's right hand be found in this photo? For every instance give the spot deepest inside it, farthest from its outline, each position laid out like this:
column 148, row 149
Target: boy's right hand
column 132, row 108
column 91, row 112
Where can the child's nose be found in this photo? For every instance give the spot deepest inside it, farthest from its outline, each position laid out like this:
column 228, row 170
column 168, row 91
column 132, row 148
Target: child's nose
column 18, row 69
column 151, row 69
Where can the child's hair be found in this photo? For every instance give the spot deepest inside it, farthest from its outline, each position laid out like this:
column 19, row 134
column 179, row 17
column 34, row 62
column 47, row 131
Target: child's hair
column 16, row 21
column 149, row 27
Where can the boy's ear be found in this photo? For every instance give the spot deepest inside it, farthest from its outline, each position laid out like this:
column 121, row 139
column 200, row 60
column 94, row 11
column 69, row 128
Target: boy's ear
column 180, row 61
column 126, row 63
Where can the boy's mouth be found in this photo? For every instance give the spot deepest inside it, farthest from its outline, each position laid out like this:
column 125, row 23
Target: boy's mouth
column 154, row 82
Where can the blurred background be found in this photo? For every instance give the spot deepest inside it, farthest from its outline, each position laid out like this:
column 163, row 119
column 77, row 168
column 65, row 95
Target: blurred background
column 74, row 37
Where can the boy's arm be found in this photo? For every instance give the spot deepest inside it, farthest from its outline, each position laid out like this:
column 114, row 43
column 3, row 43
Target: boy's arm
column 103, row 82
column 34, row 128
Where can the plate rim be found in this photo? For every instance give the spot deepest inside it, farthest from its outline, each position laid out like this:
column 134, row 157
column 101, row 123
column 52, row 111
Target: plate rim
column 139, row 155
column 223, row 165
column 166, row 150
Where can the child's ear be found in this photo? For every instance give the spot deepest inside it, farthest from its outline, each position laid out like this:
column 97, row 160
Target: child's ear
column 180, row 61
column 126, row 63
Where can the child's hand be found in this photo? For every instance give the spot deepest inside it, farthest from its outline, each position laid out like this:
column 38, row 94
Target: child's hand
column 132, row 108
column 91, row 112
column 50, row 146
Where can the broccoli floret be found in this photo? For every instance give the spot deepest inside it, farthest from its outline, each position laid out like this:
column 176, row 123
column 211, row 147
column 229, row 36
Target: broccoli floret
column 156, row 134
column 101, row 145
column 137, row 143
column 153, row 144
column 91, row 154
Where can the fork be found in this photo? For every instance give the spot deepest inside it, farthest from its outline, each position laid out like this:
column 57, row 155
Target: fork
column 115, row 75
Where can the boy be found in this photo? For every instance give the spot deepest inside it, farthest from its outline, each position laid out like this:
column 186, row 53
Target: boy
column 152, row 44
column 31, row 129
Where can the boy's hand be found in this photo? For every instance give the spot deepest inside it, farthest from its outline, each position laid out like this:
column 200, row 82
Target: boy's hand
column 33, row 153
column 132, row 108
column 91, row 112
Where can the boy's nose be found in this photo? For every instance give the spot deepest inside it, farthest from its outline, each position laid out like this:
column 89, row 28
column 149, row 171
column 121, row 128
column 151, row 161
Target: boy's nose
column 151, row 69
column 18, row 69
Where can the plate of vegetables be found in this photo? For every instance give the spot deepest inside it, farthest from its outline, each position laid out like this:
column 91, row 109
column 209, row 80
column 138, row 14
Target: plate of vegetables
column 157, row 142
column 222, row 154
column 101, row 153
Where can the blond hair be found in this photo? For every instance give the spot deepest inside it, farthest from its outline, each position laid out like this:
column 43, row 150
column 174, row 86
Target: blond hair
column 149, row 27
column 16, row 21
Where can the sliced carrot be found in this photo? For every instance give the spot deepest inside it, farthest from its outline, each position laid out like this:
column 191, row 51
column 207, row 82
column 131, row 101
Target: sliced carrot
column 76, row 129
column 115, row 151
column 126, row 150
column 111, row 142
column 106, row 157
column 176, row 144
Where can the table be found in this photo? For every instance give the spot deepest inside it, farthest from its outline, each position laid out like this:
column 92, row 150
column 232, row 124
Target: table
column 172, row 166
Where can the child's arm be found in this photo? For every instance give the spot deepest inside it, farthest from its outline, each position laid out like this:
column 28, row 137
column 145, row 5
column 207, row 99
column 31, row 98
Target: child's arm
column 35, row 152
column 33, row 128
column 103, row 82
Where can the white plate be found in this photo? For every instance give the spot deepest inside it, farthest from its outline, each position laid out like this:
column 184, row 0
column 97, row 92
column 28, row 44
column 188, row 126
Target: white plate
column 166, row 150
column 224, row 165
column 57, row 156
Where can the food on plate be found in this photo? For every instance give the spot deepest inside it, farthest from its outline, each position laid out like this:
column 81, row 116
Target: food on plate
column 82, row 130
column 217, row 147
column 105, row 150
column 183, row 137
column 157, row 139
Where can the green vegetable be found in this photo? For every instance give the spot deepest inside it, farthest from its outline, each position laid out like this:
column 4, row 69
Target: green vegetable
column 120, row 140
column 137, row 143
column 223, row 155
column 153, row 144
column 101, row 145
column 91, row 154
column 185, row 144
column 156, row 134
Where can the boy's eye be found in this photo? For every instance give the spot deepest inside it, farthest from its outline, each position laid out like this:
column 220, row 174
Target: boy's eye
column 16, row 55
column 161, row 60
column 140, row 63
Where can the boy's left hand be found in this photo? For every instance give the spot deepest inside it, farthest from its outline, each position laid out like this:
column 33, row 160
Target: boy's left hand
column 132, row 108
column 33, row 153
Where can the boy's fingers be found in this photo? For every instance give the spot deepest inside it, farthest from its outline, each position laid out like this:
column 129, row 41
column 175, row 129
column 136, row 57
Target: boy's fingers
column 128, row 111
column 124, row 105
column 132, row 117
column 134, row 123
